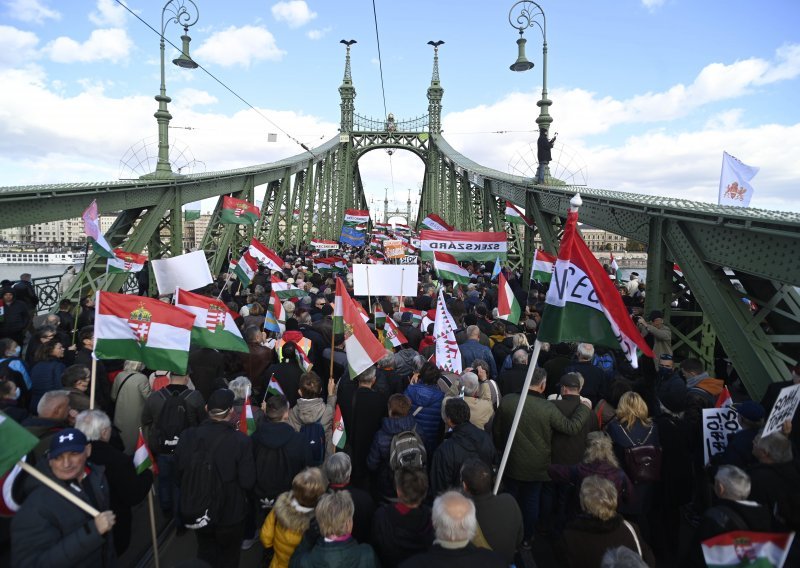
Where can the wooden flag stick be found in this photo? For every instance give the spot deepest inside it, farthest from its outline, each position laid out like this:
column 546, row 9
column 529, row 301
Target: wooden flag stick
column 153, row 528
column 93, row 384
column 74, row 499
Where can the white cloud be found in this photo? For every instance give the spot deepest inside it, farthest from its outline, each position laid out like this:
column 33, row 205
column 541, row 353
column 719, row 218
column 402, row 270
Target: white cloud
column 17, row 47
column 239, row 46
column 652, row 4
column 108, row 14
column 32, row 11
column 318, row 33
column 111, row 44
column 193, row 97
column 294, row 12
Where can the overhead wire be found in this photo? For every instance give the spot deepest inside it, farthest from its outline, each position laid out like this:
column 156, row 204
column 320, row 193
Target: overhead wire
column 383, row 95
column 226, row 87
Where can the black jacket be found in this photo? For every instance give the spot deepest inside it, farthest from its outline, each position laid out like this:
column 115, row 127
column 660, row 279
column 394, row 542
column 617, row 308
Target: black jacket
column 288, row 376
column 594, row 382
column 15, row 321
column 363, row 511
column 500, row 520
column 468, row 557
column 368, row 410
column 512, row 380
column 317, row 343
column 412, row 333
column 208, row 368
column 155, row 402
column 466, row 441
column 399, row 532
column 273, row 435
column 233, row 459
column 566, row 449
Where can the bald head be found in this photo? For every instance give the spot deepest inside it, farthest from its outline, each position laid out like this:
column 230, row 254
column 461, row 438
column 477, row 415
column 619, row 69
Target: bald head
column 454, row 518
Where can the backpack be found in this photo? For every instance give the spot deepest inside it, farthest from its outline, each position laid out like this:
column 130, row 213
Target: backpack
column 315, row 437
column 407, row 450
column 605, row 362
column 274, row 473
column 173, row 419
column 642, row 461
column 201, row 495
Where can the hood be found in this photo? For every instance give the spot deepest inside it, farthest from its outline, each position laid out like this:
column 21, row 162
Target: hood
column 394, row 426
column 468, row 436
column 273, row 434
column 424, row 395
column 308, row 410
column 289, row 517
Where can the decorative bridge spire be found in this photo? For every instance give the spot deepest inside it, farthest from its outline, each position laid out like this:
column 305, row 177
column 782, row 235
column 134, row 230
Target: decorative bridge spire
column 435, row 93
column 347, row 91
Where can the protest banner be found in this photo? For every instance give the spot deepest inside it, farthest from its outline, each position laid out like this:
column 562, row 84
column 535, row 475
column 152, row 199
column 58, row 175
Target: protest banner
column 718, row 423
column 784, row 409
column 385, row 280
column 410, row 259
column 394, row 248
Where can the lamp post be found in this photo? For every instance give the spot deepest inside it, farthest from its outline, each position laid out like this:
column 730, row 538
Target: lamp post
column 181, row 13
column 523, row 15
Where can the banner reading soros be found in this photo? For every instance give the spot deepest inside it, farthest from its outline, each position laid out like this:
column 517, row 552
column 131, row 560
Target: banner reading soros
column 463, row 245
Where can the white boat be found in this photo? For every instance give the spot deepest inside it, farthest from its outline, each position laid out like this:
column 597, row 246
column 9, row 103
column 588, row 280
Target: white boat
column 65, row 258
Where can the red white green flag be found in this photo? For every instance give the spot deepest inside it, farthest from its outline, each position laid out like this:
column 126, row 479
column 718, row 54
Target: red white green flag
column 613, row 264
column 416, row 315
column 354, row 217
column 508, row 307
column 137, row 328
column 143, row 457
column 274, row 387
column 393, row 337
column 17, row 442
column 380, row 317
column 363, row 349
column 214, row 324
column 746, row 548
column 464, row 245
column 303, row 360
column 91, row 226
column 265, row 255
column 361, row 310
column 339, row 437
column 582, row 304
column 448, row 268
column 543, row 265
column 125, row 262
column 724, row 399
column 238, row 212
column 515, row 215
column 435, row 223
column 245, row 268
column 247, row 423
column 284, row 290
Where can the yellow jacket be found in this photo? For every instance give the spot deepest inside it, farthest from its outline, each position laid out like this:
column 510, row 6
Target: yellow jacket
column 283, row 529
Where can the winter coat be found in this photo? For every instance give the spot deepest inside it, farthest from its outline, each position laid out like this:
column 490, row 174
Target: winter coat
column 399, row 532
column 481, row 410
column 15, row 321
column 429, row 419
column 233, row 459
column 412, row 333
column 469, row 556
column 51, row 532
column 531, row 450
column 570, row 449
column 283, row 529
column 196, row 412
column 512, row 380
column 671, row 391
column 45, row 377
column 575, row 474
column 255, row 363
column 471, row 350
column 378, row 458
column 500, row 520
column 770, row 484
column 310, row 410
column 363, row 510
column 466, row 441
column 43, row 429
column 288, row 376
column 347, row 553
column 369, row 409
column 208, row 367
column 727, row 516
column 638, row 435
column 403, row 362
column 273, row 435
column 594, row 381
column 130, row 391
column 662, row 339
column 587, row 538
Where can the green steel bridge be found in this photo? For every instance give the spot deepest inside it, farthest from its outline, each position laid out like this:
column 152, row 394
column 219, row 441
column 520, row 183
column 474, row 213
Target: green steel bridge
column 724, row 253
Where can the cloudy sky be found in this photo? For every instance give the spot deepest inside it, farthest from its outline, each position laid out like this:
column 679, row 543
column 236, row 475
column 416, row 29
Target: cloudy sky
column 646, row 93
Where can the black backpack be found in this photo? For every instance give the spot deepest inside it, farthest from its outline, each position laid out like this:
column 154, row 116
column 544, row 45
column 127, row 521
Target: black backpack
column 407, row 450
column 273, row 474
column 315, row 437
column 173, row 419
column 201, row 495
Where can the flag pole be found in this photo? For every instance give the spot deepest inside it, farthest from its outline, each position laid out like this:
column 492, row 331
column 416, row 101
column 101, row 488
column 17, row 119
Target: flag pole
column 93, row 384
column 74, row 499
column 518, row 413
column 333, row 334
column 153, row 534
column 369, row 298
column 80, row 290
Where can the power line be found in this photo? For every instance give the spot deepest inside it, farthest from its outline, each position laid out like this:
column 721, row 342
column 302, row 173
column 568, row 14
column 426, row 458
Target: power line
column 380, row 59
column 226, row 87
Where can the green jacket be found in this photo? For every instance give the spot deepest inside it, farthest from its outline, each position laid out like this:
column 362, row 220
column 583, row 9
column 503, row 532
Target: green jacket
column 334, row 554
column 530, row 452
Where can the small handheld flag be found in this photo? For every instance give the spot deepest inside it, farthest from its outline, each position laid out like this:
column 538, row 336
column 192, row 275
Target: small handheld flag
column 143, row 457
column 339, row 435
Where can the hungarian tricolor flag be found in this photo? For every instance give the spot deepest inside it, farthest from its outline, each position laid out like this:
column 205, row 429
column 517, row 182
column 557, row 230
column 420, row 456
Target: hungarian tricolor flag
column 360, row 308
column 745, row 548
column 353, row 217
column 448, row 268
column 416, row 315
column 246, row 268
column 393, row 337
column 542, row 268
column 435, row 223
column 275, row 318
column 486, row 245
column 17, row 442
column 330, row 264
column 247, row 424
column 303, row 360
column 143, row 457
column 214, row 324
column 339, row 437
column 125, row 262
column 380, row 317
column 363, row 349
column 91, row 226
column 284, row 290
column 613, row 264
column 274, row 387
column 238, row 212
column 508, row 307
column 143, row 329
column 265, row 255
column 724, row 399
column 515, row 216
column 582, row 304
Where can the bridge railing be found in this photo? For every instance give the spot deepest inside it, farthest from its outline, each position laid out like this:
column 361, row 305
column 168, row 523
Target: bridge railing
column 47, row 290
column 364, row 124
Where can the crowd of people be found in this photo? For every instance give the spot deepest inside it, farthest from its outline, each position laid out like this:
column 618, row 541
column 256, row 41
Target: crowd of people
column 606, row 467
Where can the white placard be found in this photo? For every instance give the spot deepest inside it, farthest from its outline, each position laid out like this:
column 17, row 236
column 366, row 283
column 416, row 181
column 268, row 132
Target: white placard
column 385, row 280
column 718, row 423
column 409, row 259
column 784, row 409
column 188, row 271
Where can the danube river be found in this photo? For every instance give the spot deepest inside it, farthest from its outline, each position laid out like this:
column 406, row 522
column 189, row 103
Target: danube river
column 12, row 271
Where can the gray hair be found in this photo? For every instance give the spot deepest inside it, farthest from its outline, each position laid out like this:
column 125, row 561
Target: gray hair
column 539, row 376
column 776, row 446
column 92, row 423
column 585, row 351
column 241, row 387
column 333, row 512
column 454, row 517
column 303, row 318
column 480, row 364
column 416, row 363
column 473, row 331
column 52, row 319
column 519, row 357
column 50, row 400
column 622, row 557
column 387, row 361
column 337, row 468
column 734, row 481
column 135, row 366
column 470, row 383
column 367, row 376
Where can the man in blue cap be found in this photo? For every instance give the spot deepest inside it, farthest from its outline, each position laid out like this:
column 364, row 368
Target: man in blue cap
column 48, row 530
column 739, row 451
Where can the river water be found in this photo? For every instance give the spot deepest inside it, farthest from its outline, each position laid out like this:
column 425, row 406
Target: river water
column 12, row 271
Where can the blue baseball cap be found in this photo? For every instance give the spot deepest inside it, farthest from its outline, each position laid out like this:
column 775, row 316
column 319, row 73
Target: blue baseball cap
column 67, row 440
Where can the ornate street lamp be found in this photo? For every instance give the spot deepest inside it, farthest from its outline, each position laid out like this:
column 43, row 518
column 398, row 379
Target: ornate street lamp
column 181, row 13
column 523, row 15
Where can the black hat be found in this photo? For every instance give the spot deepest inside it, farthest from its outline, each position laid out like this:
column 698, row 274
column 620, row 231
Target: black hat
column 570, row 380
column 750, row 410
column 656, row 314
column 327, row 310
column 221, row 401
column 292, row 324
